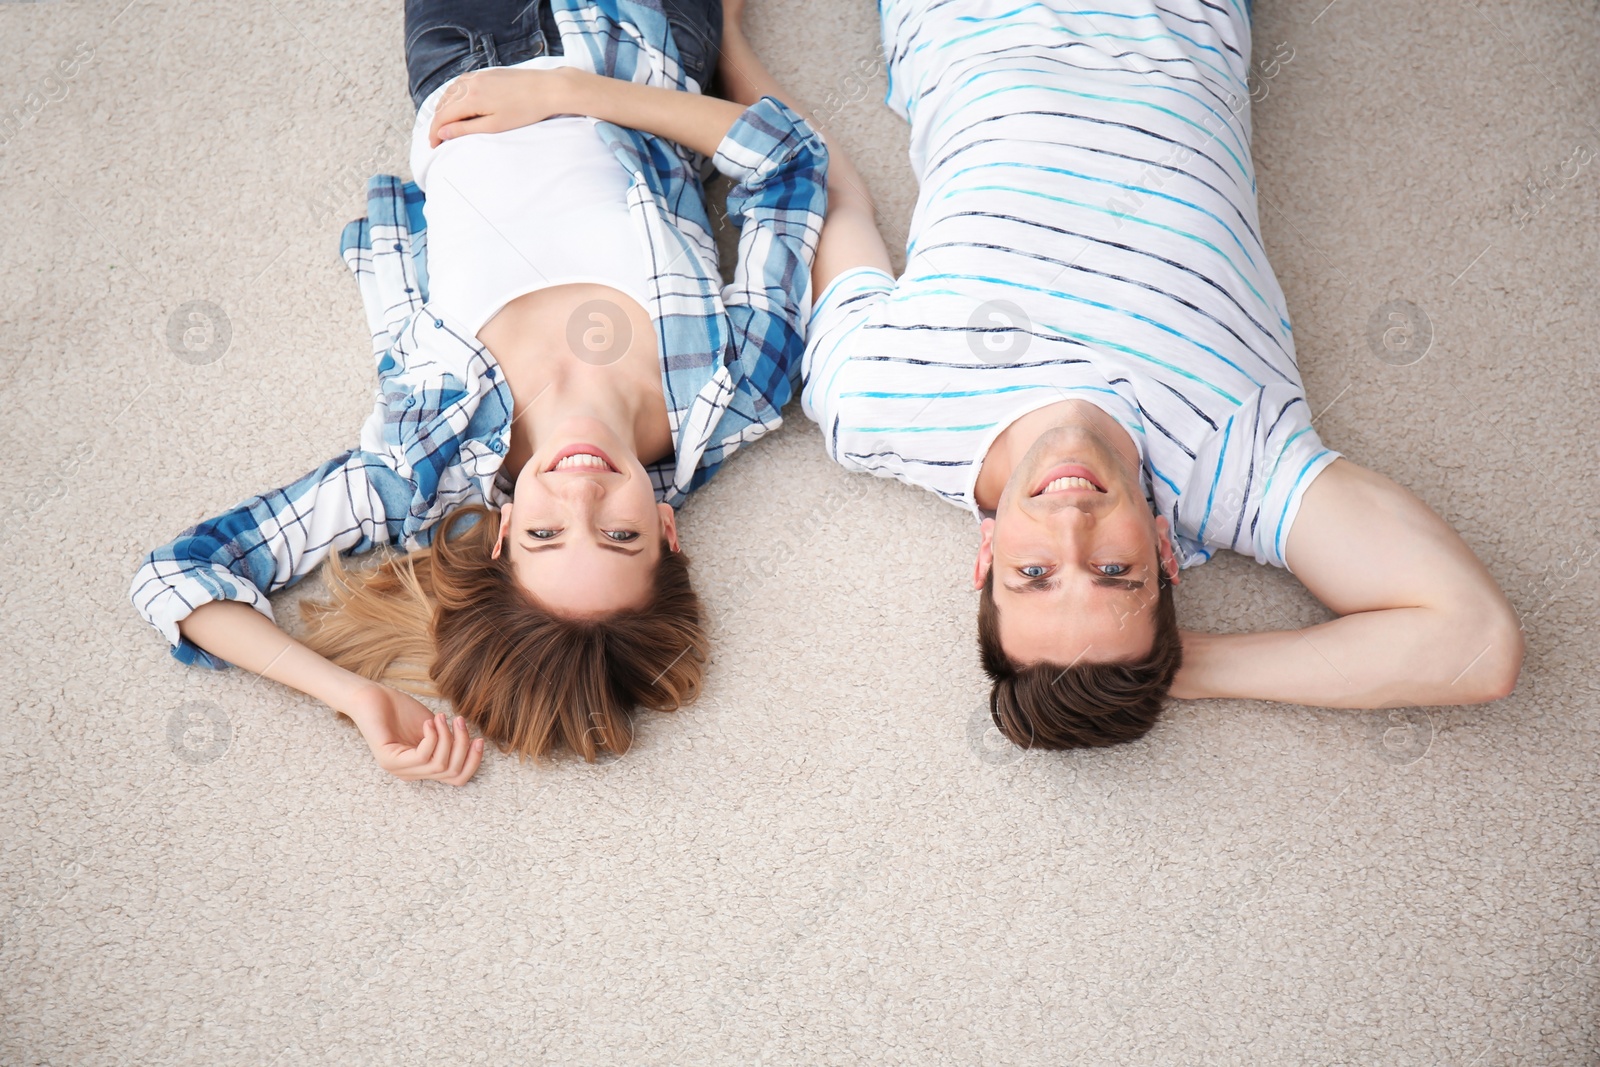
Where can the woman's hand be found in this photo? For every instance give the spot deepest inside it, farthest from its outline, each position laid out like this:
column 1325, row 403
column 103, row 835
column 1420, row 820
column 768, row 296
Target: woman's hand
column 501, row 98
column 408, row 740
column 505, row 98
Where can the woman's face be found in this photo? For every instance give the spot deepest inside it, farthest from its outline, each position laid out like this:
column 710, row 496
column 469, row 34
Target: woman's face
column 583, row 530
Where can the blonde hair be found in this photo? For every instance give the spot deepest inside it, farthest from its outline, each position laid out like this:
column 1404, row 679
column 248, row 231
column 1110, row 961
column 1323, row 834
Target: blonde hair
column 450, row 621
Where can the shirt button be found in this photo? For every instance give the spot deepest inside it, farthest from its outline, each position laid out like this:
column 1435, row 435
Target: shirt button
column 438, row 324
column 411, row 401
column 489, row 374
column 398, row 247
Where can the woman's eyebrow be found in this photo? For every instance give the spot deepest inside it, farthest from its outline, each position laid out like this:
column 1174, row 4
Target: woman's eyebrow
column 608, row 545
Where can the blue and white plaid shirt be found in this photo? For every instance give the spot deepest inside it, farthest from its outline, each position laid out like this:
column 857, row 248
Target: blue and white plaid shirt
column 440, row 426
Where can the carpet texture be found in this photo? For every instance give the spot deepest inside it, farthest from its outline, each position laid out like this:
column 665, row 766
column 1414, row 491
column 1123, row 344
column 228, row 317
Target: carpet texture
column 827, row 859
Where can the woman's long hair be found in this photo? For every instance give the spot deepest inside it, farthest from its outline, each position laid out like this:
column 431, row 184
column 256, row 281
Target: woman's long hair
column 451, row 621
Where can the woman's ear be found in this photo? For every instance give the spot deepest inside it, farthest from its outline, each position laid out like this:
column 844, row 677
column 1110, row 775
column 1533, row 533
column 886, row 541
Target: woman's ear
column 669, row 525
column 985, row 560
column 505, row 530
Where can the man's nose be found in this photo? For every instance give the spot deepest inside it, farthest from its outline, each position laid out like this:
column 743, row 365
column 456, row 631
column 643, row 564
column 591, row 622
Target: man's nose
column 1073, row 522
column 1075, row 517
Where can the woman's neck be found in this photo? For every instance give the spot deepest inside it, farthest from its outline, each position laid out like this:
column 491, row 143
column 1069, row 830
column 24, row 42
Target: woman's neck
column 636, row 416
column 540, row 339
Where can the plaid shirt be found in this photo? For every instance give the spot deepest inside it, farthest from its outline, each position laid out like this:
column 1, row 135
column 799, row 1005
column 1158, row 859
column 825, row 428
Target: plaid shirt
column 440, row 426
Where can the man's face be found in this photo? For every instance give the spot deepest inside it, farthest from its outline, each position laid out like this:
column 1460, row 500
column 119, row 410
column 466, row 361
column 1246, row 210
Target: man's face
column 1075, row 552
column 584, row 530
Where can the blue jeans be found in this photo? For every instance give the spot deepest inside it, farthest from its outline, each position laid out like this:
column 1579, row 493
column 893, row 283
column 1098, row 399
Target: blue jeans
column 445, row 38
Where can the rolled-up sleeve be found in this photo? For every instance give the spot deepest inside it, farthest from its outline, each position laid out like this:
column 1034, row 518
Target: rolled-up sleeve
column 780, row 168
column 351, row 503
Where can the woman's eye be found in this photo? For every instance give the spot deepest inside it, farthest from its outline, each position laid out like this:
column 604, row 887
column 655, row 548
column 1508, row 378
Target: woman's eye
column 623, row 536
column 542, row 535
column 1113, row 570
column 1034, row 570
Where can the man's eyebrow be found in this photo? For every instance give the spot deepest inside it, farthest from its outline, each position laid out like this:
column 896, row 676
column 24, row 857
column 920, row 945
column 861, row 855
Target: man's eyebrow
column 1104, row 581
column 1033, row 585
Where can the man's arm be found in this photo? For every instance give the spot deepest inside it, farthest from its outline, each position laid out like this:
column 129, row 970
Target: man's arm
column 1422, row 622
column 850, row 236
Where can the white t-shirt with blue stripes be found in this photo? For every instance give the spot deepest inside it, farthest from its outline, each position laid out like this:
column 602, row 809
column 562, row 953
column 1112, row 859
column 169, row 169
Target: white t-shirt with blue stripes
column 1086, row 229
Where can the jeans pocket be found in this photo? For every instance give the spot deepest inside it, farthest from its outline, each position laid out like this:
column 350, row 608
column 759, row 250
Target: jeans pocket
column 440, row 52
column 697, row 34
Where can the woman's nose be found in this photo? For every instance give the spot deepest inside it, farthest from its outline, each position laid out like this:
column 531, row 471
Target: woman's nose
column 580, row 489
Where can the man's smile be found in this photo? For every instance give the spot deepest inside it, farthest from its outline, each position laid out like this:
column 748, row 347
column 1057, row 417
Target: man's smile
column 1068, row 478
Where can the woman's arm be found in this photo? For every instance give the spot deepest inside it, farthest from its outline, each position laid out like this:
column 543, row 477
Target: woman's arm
column 1422, row 621
column 850, row 236
column 505, row 98
column 406, row 739
column 206, row 591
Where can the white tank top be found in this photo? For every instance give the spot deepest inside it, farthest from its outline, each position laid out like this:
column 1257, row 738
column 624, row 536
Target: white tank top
column 513, row 212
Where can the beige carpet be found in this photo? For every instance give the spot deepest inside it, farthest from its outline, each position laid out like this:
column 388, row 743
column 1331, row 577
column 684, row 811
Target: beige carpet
column 826, row 860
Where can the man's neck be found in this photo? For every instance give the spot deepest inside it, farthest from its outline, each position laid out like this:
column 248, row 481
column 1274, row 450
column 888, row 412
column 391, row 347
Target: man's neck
column 1016, row 439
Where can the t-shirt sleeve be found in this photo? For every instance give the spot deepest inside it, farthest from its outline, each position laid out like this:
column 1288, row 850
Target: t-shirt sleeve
column 1250, row 476
column 833, row 335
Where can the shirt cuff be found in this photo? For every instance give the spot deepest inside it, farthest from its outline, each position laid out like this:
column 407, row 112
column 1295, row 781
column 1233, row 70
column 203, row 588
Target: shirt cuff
column 764, row 139
column 177, row 599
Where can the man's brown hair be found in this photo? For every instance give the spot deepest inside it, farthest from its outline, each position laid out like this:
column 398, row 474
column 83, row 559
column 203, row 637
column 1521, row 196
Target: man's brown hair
column 451, row 621
column 1085, row 705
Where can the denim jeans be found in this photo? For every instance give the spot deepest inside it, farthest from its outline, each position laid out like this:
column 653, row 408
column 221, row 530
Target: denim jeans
column 445, row 38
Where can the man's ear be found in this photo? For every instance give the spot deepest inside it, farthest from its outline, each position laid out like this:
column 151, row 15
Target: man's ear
column 669, row 525
column 985, row 560
column 505, row 529
column 1167, row 558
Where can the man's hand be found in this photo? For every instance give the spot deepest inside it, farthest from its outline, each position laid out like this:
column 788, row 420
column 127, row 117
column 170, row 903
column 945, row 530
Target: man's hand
column 411, row 742
column 504, row 98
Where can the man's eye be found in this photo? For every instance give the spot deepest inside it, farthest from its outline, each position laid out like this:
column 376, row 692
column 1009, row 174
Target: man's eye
column 623, row 536
column 543, row 534
column 1033, row 570
column 1113, row 570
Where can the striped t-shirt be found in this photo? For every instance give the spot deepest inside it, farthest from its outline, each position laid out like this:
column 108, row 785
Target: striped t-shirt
column 1086, row 229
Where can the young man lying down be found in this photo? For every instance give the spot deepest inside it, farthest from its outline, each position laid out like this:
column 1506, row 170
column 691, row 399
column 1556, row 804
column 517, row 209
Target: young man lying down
column 1089, row 351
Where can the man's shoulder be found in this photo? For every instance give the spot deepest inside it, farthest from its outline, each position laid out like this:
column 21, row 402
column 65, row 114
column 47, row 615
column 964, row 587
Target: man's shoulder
column 1248, row 477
